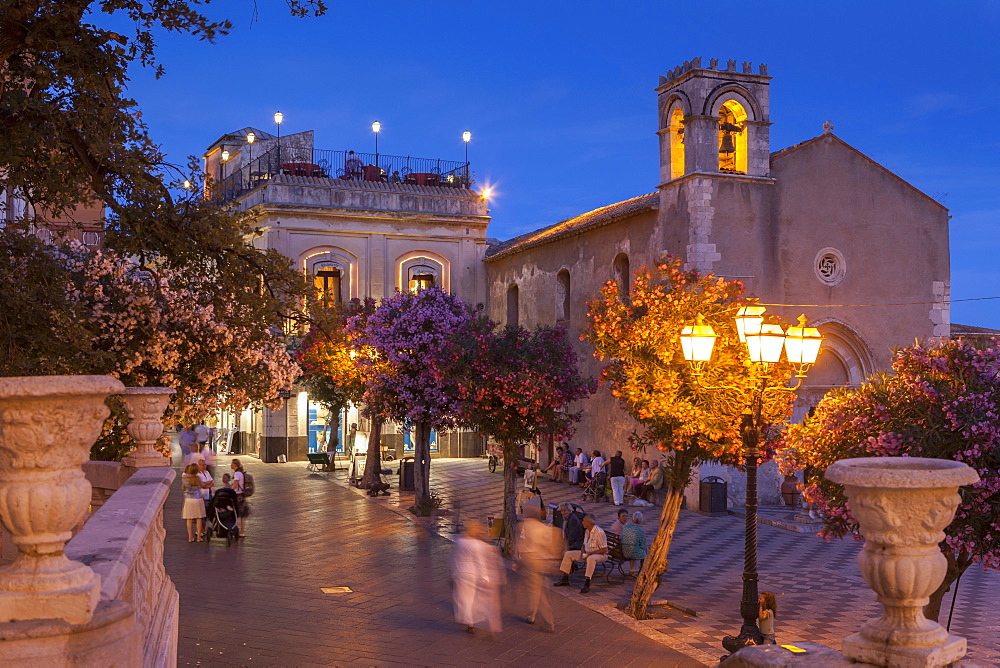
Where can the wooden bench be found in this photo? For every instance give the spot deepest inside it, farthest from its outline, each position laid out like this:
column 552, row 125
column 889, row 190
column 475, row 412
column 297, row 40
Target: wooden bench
column 318, row 461
column 615, row 560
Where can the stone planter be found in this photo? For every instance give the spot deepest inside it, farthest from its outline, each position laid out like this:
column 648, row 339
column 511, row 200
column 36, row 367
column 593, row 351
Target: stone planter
column 145, row 406
column 903, row 505
column 47, row 426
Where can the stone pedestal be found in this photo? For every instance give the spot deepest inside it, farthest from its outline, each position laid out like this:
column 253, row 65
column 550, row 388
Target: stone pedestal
column 902, row 505
column 145, row 406
column 47, row 426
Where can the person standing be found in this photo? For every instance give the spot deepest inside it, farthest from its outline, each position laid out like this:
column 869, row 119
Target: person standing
column 238, row 485
column 537, row 547
column 477, row 575
column 616, row 471
column 201, row 434
column 768, row 610
column 194, row 503
column 187, row 442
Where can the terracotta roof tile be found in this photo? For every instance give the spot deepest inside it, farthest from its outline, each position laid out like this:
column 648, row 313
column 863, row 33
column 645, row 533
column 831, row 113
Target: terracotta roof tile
column 597, row 217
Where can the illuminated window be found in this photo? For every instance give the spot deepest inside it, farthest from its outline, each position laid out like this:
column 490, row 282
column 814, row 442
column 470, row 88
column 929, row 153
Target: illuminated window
column 513, row 306
column 562, row 296
column 732, row 138
column 676, row 130
column 327, row 280
column 421, row 277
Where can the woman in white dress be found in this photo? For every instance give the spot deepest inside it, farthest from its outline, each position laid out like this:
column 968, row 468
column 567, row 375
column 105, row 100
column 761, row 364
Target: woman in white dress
column 478, row 573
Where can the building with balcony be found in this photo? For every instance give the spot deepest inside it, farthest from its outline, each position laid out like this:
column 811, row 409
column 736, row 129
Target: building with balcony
column 361, row 225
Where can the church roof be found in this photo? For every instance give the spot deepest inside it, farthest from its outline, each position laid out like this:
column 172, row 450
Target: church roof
column 570, row 226
column 829, row 136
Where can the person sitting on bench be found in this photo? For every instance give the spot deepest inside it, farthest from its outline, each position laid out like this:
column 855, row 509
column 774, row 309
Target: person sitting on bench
column 593, row 552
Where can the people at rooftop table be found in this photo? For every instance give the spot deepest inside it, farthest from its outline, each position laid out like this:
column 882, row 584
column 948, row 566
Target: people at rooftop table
column 353, row 167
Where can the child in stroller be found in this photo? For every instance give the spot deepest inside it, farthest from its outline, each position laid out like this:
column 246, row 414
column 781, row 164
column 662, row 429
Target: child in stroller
column 222, row 516
column 597, row 488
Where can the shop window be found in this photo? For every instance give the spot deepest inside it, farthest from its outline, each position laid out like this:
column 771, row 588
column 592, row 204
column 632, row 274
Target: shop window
column 421, row 277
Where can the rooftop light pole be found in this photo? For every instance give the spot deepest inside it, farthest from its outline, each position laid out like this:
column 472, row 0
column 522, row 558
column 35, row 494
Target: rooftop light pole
column 764, row 343
column 250, row 140
column 376, row 128
column 467, row 137
column 278, row 117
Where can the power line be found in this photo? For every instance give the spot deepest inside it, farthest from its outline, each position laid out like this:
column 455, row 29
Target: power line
column 946, row 301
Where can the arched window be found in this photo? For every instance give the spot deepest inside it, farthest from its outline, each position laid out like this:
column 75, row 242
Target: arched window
column 421, row 277
column 327, row 280
column 622, row 276
column 513, row 317
column 732, row 138
column 562, row 296
column 676, row 129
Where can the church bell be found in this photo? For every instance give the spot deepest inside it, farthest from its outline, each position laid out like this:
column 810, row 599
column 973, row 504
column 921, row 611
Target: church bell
column 727, row 145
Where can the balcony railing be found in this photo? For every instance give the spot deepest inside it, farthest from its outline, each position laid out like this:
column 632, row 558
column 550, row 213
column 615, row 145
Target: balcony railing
column 344, row 165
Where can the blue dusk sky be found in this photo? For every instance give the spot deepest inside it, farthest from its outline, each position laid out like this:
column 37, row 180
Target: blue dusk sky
column 559, row 96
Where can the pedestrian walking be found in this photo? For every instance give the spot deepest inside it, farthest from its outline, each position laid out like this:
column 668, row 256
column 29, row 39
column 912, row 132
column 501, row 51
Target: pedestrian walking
column 186, row 440
column 616, row 472
column 477, row 575
column 194, row 503
column 538, row 546
column 768, row 611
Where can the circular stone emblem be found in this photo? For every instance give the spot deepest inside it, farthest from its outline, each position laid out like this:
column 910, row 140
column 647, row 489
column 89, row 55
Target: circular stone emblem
column 830, row 266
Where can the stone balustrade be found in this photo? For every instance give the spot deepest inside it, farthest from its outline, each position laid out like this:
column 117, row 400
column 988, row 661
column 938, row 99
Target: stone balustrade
column 78, row 590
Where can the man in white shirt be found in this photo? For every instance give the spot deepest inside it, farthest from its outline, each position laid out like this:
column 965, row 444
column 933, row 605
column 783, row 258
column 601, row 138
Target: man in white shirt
column 579, row 462
column 595, row 551
column 201, row 435
column 596, row 465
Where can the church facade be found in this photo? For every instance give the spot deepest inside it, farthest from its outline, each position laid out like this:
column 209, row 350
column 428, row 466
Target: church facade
column 817, row 227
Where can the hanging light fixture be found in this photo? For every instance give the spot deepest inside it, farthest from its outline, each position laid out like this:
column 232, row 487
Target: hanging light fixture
column 802, row 346
column 697, row 342
column 749, row 319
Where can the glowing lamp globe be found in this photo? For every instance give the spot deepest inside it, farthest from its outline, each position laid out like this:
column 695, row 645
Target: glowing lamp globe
column 697, row 341
column 278, row 117
column 466, row 136
column 802, row 344
column 251, row 137
column 225, row 156
column 766, row 344
column 376, row 127
column 749, row 320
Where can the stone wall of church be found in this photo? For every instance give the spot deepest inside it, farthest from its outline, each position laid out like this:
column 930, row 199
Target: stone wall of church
column 589, row 259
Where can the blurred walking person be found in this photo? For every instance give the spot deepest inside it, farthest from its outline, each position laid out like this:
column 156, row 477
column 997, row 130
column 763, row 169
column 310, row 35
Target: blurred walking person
column 538, row 546
column 477, row 575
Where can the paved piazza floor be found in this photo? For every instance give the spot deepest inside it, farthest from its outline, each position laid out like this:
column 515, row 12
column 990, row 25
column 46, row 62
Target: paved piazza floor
column 259, row 602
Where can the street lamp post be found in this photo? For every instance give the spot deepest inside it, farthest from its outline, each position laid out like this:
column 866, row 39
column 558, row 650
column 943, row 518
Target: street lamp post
column 467, row 137
column 764, row 343
column 251, row 137
column 278, row 117
column 376, row 128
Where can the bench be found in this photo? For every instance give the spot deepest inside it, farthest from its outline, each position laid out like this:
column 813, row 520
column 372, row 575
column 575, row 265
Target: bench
column 318, row 461
column 615, row 560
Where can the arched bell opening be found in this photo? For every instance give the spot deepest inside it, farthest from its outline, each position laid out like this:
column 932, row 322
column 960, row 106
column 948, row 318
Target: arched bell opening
column 732, row 138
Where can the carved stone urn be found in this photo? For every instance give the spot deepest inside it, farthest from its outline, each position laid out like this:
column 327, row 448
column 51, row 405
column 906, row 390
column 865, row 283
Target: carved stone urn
column 145, row 406
column 47, row 426
column 903, row 505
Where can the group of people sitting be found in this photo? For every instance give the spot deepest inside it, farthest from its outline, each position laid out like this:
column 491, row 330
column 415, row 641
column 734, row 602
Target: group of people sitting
column 641, row 481
column 588, row 543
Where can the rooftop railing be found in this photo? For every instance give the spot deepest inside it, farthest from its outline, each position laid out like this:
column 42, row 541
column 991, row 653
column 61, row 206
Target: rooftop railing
column 343, row 165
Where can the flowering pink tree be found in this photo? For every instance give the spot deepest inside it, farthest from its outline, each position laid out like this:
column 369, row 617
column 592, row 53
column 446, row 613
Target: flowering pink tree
column 413, row 336
column 943, row 402
column 518, row 385
column 148, row 327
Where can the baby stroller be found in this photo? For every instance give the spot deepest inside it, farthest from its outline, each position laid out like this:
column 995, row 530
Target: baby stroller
column 222, row 516
column 597, row 488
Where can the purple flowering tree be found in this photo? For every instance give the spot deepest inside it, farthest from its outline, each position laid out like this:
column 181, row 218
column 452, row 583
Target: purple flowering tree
column 943, row 402
column 413, row 337
column 517, row 386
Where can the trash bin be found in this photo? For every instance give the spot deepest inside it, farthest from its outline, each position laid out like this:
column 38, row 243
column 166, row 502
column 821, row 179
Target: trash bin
column 407, row 476
column 712, row 500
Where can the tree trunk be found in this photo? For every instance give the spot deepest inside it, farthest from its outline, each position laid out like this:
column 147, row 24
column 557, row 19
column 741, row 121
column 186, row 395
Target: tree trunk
column 510, row 456
column 422, row 467
column 956, row 566
column 656, row 561
column 373, row 460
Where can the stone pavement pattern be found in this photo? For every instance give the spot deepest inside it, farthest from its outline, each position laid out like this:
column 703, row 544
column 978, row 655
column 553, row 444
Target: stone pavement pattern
column 259, row 601
column 821, row 595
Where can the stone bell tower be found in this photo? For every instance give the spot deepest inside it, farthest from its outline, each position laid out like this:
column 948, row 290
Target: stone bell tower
column 715, row 180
